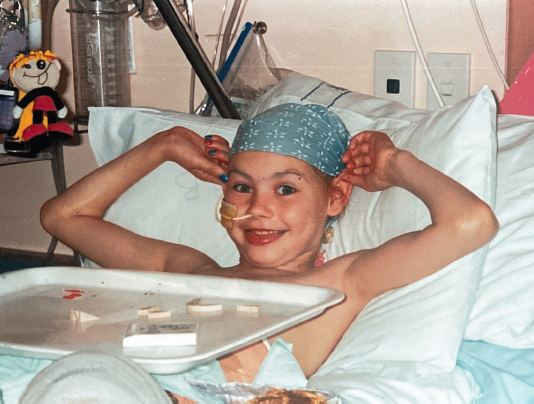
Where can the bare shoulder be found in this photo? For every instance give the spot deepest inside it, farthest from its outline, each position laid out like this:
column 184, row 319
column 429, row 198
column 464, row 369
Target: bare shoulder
column 338, row 273
column 186, row 260
column 351, row 266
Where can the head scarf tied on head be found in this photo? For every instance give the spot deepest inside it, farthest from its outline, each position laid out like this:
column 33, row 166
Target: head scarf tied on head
column 311, row 133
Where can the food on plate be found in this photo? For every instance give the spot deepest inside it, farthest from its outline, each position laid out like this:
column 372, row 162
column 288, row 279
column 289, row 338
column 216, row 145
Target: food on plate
column 81, row 316
column 143, row 312
column 253, row 309
column 197, row 306
column 282, row 396
column 159, row 314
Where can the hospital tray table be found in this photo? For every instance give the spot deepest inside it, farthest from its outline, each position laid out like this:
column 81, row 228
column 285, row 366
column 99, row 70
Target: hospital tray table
column 35, row 309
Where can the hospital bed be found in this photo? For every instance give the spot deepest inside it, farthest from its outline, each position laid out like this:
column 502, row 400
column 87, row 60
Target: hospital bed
column 462, row 335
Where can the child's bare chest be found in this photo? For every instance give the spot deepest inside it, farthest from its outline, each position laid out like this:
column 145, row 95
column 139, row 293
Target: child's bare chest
column 314, row 340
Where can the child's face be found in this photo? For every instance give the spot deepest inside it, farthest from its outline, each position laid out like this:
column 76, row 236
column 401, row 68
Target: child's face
column 289, row 203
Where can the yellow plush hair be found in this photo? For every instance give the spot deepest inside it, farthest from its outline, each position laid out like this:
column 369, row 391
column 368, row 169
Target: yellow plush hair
column 23, row 58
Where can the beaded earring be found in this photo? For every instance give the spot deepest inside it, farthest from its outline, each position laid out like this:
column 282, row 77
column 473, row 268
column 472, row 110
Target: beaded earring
column 328, row 237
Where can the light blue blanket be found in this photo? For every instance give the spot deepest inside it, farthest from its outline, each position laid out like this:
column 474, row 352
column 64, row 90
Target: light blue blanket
column 503, row 375
column 279, row 368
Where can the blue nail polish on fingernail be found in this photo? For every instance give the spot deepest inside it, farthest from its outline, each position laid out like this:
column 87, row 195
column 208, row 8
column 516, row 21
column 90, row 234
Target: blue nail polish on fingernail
column 208, row 137
column 212, row 152
column 223, row 178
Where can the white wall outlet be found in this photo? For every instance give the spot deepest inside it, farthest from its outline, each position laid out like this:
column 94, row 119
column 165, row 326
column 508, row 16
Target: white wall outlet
column 395, row 76
column 451, row 75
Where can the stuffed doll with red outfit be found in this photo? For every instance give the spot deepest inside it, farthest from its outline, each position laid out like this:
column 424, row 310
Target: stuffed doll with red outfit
column 39, row 107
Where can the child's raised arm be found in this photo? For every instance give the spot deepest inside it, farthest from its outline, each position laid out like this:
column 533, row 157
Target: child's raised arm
column 75, row 216
column 461, row 222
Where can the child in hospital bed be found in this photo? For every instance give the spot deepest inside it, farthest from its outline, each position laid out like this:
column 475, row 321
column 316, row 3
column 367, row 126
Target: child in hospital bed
column 289, row 173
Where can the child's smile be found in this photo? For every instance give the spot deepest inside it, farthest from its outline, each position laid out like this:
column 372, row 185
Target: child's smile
column 259, row 237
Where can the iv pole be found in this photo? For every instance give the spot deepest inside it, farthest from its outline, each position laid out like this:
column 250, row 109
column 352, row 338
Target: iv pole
column 197, row 58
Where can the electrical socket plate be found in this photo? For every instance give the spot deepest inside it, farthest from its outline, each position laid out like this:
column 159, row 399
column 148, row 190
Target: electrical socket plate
column 395, row 65
column 451, row 75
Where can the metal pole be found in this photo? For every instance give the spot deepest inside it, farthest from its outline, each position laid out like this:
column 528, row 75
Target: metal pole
column 197, row 58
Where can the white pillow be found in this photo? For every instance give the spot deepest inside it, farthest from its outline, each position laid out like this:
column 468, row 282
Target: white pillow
column 169, row 203
column 504, row 311
column 418, row 329
column 358, row 111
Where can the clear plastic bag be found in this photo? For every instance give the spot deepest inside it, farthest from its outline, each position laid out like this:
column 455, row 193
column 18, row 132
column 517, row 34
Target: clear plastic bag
column 248, row 72
column 13, row 34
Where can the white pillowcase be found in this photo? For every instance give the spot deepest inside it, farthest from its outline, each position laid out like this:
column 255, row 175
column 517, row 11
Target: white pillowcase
column 169, row 203
column 358, row 111
column 504, row 311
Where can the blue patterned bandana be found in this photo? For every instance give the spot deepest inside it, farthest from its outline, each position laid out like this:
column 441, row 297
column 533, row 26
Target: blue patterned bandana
column 311, row 133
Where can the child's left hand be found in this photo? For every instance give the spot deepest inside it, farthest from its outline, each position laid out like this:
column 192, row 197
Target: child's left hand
column 370, row 160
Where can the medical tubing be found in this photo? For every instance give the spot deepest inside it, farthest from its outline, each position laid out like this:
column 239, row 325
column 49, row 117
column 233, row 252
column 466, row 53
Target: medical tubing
column 420, row 53
column 225, row 44
column 228, row 64
column 236, row 29
column 192, row 91
column 139, row 5
column 197, row 58
column 219, row 33
column 132, row 12
column 218, row 215
column 217, row 208
column 237, row 47
column 192, row 26
column 47, row 23
column 487, row 43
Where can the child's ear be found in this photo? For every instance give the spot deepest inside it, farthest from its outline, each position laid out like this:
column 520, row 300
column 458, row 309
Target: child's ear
column 340, row 192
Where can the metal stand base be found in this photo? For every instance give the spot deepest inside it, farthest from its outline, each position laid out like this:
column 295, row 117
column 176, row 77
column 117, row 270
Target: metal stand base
column 55, row 155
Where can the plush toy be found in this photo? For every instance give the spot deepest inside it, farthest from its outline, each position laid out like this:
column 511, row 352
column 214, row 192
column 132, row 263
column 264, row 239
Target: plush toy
column 39, row 106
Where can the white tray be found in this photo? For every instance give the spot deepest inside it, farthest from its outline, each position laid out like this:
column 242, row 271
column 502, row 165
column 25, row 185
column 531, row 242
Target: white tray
column 35, row 322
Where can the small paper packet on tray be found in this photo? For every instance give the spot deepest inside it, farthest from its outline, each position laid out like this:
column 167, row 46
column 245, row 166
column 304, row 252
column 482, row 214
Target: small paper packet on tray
column 141, row 334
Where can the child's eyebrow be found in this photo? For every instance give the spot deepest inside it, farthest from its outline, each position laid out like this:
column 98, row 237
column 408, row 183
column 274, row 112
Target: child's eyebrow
column 289, row 171
column 292, row 172
column 239, row 172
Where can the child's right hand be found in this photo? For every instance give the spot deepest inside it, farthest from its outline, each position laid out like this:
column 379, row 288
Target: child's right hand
column 370, row 160
column 192, row 152
column 217, row 149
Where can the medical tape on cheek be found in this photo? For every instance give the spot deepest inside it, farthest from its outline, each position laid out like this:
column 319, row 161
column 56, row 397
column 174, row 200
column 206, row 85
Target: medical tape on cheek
column 228, row 213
